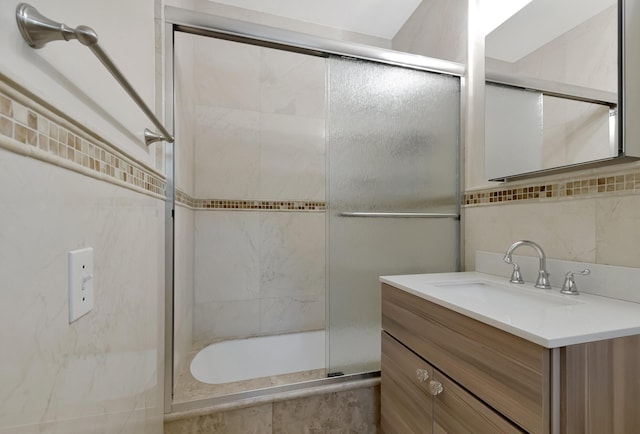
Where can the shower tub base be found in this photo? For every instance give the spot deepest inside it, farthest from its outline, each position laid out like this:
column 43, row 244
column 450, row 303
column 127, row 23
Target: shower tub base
column 240, row 365
column 264, row 356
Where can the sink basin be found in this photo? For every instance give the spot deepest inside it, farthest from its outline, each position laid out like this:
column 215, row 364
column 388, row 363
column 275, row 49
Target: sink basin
column 545, row 317
column 474, row 293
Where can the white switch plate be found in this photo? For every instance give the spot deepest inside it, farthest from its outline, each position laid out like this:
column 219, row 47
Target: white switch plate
column 80, row 283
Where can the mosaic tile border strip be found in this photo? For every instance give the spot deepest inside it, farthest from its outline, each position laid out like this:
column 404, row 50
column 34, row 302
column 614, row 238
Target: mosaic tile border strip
column 585, row 187
column 32, row 128
column 184, row 199
column 248, row 205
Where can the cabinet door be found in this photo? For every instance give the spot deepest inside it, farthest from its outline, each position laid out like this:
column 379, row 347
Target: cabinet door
column 407, row 405
column 456, row 411
column 508, row 373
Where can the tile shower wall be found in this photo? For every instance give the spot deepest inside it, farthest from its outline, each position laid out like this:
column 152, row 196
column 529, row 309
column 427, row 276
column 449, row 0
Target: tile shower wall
column 258, row 190
column 258, row 273
column 184, row 215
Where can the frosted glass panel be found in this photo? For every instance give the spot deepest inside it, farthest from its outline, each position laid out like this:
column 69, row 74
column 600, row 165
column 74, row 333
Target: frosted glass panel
column 513, row 131
column 393, row 147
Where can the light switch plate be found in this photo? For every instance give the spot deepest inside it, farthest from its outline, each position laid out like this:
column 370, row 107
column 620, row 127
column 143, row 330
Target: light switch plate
column 80, row 283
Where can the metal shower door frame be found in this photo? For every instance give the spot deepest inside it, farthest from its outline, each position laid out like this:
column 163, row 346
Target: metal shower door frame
column 182, row 20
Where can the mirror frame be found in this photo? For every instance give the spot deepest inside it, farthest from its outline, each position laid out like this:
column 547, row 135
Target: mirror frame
column 627, row 99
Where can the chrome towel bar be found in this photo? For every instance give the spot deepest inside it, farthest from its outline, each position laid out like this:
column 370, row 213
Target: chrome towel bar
column 38, row 30
column 421, row 215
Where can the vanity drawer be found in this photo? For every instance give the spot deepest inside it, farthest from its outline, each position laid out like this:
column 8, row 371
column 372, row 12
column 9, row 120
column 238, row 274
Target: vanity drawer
column 508, row 373
column 457, row 411
column 405, row 398
column 409, row 406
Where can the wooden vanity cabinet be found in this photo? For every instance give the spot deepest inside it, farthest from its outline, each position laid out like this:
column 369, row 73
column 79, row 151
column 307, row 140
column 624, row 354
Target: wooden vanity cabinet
column 495, row 382
column 411, row 406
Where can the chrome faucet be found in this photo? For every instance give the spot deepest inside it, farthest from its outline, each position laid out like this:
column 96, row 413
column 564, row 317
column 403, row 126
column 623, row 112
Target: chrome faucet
column 543, row 274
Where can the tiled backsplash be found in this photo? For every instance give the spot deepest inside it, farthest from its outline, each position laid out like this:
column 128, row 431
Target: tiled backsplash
column 594, row 185
column 257, row 205
column 33, row 127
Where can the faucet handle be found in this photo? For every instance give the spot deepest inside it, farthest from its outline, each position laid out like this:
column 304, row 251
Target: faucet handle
column 516, row 276
column 569, row 287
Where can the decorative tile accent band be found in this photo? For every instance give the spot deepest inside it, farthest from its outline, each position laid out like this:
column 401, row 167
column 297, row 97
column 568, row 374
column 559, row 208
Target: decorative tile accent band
column 591, row 186
column 32, row 128
column 184, row 199
column 255, row 205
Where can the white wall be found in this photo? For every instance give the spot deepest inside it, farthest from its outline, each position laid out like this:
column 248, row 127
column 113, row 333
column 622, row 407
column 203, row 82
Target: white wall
column 213, row 8
column 437, row 28
column 68, row 75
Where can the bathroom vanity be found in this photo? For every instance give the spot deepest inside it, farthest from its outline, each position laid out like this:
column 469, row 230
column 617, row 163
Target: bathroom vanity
column 467, row 352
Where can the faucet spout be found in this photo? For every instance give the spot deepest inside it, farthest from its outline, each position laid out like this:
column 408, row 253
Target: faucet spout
column 543, row 274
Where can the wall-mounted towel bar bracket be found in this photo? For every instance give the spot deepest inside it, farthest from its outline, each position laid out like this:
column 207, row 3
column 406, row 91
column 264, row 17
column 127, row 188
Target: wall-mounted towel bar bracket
column 38, row 30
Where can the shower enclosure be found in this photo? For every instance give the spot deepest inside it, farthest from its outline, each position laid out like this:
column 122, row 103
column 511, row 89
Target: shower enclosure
column 300, row 178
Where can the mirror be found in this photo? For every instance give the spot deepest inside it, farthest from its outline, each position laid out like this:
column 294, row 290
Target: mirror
column 552, row 98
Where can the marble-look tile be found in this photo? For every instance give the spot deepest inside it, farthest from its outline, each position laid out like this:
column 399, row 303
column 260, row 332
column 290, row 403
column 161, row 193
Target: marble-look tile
column 617, row 235
column 274, row 151
column 252, row 420
column 292, row 314
column 226, row 319
column 227, row 73
column 183, row 276
column 131, row 422
column 227, row 153
column 292, row 254
column 565, row 230
column 106, row 364
column 340, row 412
column 292, row 83
column 574, row 132
column 185, row 97
column 227, row 258
column 258, row 272
column 292, row 158
column 592, row 50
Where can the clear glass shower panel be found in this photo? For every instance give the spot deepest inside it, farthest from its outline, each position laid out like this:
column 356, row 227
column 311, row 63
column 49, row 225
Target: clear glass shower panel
column 393, row 138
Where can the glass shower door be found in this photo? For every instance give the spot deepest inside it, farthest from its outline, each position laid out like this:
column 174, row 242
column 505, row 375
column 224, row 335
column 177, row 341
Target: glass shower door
column 393, row 144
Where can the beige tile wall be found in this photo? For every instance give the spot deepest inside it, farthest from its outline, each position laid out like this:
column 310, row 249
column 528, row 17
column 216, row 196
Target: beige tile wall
column 593, row 218
column 64, row 189
column 351, row 411
column 258, row 132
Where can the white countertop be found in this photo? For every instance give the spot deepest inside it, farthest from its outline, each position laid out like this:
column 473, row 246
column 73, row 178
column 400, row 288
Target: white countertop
column 542, row 316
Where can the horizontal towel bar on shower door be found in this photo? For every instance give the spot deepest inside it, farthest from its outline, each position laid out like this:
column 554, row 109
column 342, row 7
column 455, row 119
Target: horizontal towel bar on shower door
column 38, row 30
column 420, row 215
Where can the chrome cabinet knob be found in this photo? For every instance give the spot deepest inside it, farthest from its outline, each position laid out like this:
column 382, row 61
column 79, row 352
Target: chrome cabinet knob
column 436, row 388
column 422, row 375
